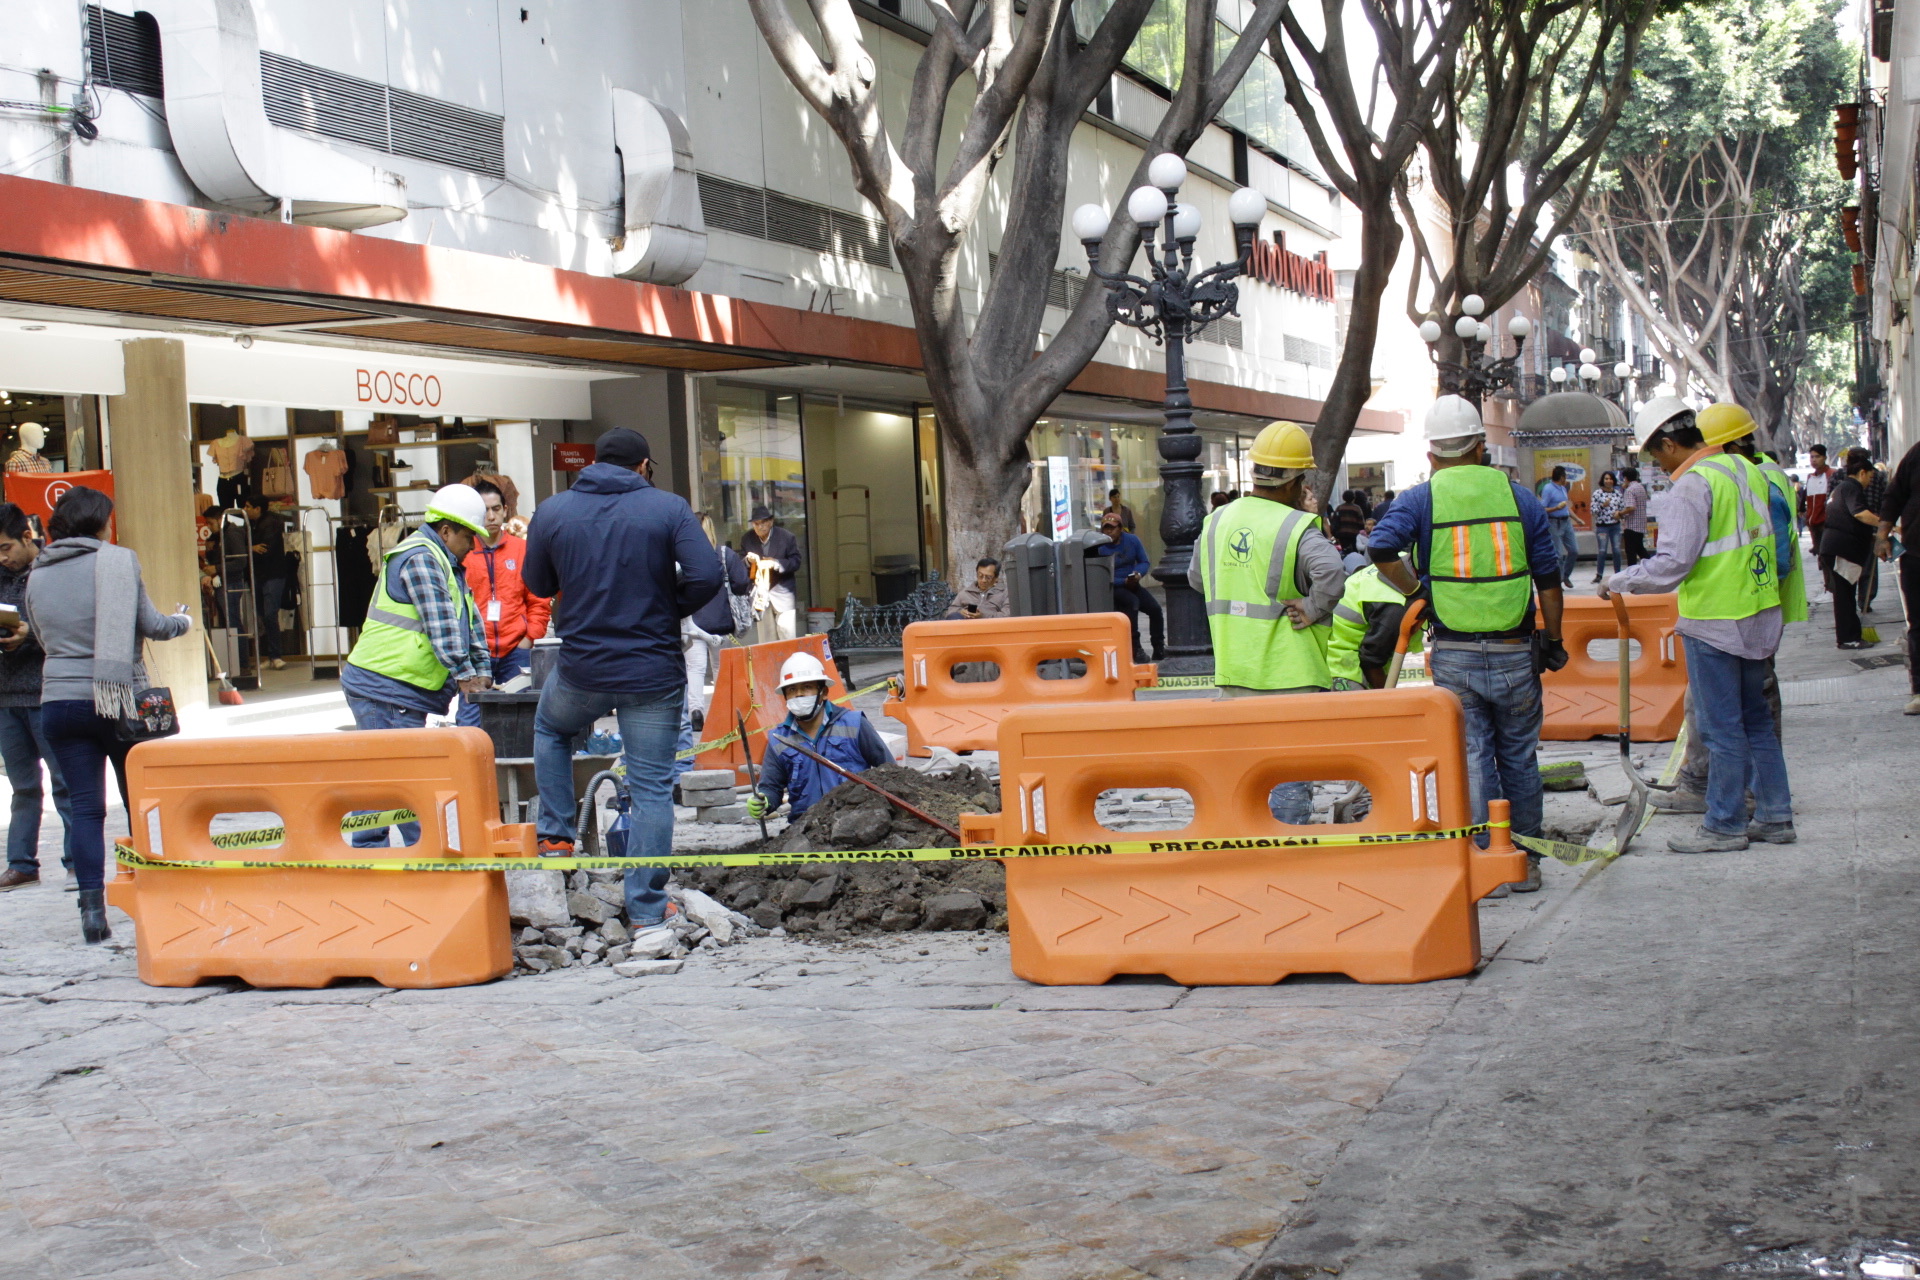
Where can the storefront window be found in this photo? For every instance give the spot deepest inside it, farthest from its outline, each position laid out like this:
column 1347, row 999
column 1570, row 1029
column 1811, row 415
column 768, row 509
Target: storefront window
column 750, row 455
column 69, row 431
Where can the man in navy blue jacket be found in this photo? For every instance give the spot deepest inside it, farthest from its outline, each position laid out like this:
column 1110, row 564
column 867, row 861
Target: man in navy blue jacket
column 624, row 562
column 1130, row 594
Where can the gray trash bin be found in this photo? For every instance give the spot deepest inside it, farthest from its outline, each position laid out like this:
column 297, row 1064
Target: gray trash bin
column 1027, row 566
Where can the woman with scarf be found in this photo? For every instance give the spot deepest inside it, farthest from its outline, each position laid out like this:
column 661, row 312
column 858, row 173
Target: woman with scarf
column 86, row 606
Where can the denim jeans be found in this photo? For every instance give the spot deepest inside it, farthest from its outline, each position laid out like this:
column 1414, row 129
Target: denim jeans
column 84, row 742
column 649, row 727
column 1501, row 695
column 1730, row 705
column 371, row 714
column 1608, row 538
column 1290, row 802
column 24, row 746
column 267, row 595
column 504, row 669
column 1134, row 601
column 1696, row 765
column 1567, row 544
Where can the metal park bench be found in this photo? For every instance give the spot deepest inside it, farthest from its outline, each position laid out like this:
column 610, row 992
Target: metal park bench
column 875, row 628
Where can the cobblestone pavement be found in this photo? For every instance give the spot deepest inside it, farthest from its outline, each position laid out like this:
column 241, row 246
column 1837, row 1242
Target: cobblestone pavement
column 897, row 1109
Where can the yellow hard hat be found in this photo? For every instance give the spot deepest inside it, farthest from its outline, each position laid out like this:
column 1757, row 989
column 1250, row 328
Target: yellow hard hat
column 1720, row 423
column 1285, row 445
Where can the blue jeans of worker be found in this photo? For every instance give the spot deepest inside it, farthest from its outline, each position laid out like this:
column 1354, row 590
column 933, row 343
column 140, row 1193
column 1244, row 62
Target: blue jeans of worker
column 267, row 595
column 1290, row 802
column 649, row 728
column 1607, row 539
column 1730, row 706
column 504, row 669
column 24, row 747
column 1566, row 544
column 85, row 743
column 371, row 714
column 1498, row 689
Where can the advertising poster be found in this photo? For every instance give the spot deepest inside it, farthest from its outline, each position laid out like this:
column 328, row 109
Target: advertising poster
column 1060, row 497
column 1578, row 481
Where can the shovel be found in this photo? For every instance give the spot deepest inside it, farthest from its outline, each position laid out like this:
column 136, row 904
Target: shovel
column 753, row 774
column 1634, row 811
column 1408, row 621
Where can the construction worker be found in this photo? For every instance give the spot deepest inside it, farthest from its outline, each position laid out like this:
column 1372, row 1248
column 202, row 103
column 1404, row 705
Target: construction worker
column 1482, row 552
column 1725, row 546
column 1366, row 630
column 1689, row 794
column 841, row 734
column 1270, row 577
column 423, row 637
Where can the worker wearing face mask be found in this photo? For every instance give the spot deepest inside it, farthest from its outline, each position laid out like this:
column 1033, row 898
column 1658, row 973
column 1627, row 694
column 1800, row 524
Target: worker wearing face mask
column 841, row 734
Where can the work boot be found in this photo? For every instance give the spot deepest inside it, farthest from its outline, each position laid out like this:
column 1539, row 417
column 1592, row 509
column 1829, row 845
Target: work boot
column 14, row 878
column 1913, row 705
column 1705, row 841
column 1773, row 832
column 1500, row 892
column 1678, row 801
column 93, row 916
column 1532, row 883
column 556, row 848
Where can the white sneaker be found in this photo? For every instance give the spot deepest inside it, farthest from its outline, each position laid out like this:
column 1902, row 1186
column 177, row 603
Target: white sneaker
column 1913, row 705
column 278, row 665
column 72, row 884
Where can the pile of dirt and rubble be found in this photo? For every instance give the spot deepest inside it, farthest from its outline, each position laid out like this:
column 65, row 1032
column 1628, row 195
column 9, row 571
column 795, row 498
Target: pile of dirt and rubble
column 839, row 900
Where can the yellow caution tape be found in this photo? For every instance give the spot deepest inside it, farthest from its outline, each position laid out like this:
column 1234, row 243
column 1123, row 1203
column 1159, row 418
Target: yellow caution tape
column 963, row 853
column 260, row 837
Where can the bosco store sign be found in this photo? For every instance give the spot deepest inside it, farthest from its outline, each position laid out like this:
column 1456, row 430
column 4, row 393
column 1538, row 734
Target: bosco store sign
column 392, row 388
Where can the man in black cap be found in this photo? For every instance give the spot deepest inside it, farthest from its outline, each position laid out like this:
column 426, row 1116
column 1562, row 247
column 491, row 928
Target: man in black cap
column 769, row 544
column 624, row 562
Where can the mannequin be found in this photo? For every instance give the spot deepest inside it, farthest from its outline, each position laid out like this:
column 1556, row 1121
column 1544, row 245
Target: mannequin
column 233, row 455
column 33, row 438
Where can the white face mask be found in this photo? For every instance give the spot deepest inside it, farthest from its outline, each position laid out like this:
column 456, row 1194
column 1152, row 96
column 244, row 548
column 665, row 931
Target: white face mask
column 802, row 705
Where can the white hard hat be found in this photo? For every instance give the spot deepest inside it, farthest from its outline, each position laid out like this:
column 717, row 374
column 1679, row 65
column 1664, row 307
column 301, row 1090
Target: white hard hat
column 460, row 503
column 1655, row 414
column 1453, row 426
column 801, row 668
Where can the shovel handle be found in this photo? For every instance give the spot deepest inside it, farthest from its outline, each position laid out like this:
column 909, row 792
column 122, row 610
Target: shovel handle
column 1408, row 621
column 1626, row 680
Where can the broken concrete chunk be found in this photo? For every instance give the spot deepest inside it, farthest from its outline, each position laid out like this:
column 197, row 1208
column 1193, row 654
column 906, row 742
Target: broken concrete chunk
column 705, row 779
column 589, row 907
column 647, row 968
column 537, row 898
column 653, row 941
column 962, row 909
column 707, row 912
column 861, row 828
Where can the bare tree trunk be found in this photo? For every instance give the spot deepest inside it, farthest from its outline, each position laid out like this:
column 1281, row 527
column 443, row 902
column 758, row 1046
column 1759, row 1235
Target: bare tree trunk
column 1380, row 238
column 983, row 507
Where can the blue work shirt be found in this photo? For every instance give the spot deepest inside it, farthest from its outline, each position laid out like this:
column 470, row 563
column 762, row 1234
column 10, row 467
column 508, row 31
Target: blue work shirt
column 1408, row 527
column 1129, row 557
column 1553, row 495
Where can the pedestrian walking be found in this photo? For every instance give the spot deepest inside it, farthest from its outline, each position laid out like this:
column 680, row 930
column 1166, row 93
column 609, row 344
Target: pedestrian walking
column 1270, row 577
column 624, row 562
column 1846, row 547
column 87, row 607
column 1119, row 508
column 1900, row 524
column 511, row 616
column 1484, row 554
column 1349, row 518
column 1720, row 547
column 272, row 567
column 1366, row 630
column 773, row 553
column 1733, row 428
column 1818, row 486
column 1130, row 593
column 23, row 744
column 423, row 639
column 1558, row 501
column 1633, row 516
column 1608, row 502
column 841, row 734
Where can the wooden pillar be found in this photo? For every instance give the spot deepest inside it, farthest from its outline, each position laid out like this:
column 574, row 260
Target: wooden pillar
column 151, row 430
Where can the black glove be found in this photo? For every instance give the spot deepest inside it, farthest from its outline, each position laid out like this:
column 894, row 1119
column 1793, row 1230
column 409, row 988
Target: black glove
column 1548, row 654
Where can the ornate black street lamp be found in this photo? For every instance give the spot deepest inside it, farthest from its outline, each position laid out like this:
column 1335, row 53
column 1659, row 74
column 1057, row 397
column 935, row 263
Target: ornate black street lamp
column 1481, row 373
column 1173, row 307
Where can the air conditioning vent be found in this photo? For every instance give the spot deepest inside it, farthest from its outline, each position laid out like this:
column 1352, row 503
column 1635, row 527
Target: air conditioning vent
column 770, row 215
column 1225, row 332
column 1063, row 287
column 1317, row 355
column 313, row 99
column 123, row 51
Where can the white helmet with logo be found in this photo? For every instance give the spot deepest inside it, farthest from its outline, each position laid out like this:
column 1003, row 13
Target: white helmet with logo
column 1655, row 414
column 801, row 668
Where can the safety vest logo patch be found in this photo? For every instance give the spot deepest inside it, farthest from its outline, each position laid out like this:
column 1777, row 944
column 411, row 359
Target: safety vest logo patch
column 1240, row 545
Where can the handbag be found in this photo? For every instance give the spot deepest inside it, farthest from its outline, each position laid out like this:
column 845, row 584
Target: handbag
column 153, row 717
column 383, row 431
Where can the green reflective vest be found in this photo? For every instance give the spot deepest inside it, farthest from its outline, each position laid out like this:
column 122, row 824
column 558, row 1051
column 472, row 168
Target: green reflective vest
column 1793, row 587
column 1477, row 552
column 393, row 642
column 1350, row 623
column 1735, row 576
column 1249, row 550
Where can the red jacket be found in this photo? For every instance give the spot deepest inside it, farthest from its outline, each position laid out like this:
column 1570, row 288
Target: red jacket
column 494, row 575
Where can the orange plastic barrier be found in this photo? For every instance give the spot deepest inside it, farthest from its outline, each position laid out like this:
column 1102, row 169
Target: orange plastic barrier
column 940, row 711
column 297, row 928
column 748, row 684
column 1388, row 912
column 1583, row 697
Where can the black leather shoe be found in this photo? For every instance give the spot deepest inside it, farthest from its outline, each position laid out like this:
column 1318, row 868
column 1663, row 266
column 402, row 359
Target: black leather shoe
column 93, row 916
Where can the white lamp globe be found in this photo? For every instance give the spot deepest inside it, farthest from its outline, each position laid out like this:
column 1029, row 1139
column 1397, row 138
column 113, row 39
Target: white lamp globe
column 1147, row 205
column 1587, row 355
column 1186, row 222
column 1520, row 327
column 1558, row 376
column 1430, row 331
column 1623, row 370
column 1246, row 207
column 1590, row 371
column 1473, row 304
column 1090, row 222
column 1486, row 332
column 1466, row 328
column 1167, row 171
